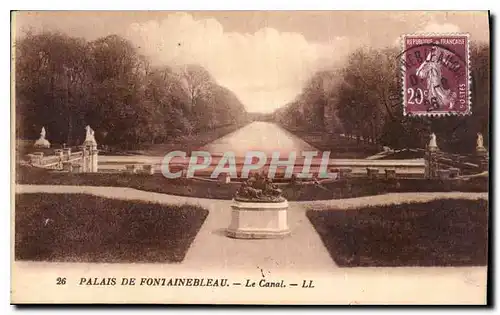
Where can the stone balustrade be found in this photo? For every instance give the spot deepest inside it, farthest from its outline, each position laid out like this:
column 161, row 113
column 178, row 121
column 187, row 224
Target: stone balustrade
column 345, row 172
column 82, row 161
column 148, row 169
column 131, row 168
column 454, row 172
column 372, row 172
column 67, row 166
column 67, row 153
column 224, row 178
column 390, row 174
column 443, row 174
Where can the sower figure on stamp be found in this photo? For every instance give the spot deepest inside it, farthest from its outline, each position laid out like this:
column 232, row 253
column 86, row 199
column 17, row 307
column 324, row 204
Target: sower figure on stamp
column 430, row 70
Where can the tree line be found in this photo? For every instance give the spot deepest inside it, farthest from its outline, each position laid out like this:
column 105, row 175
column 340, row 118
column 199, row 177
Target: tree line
column 363, row 100
column 65, row 83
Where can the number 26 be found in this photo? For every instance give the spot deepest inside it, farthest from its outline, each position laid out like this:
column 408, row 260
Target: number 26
column 60, row 281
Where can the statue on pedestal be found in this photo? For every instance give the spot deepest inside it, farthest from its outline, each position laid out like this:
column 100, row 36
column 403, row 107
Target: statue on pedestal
column 431, row 165
column 259, row 188
column 90, row 152
column 42, row 142
column 480, row 143
column 480, row 140
column 89, row 137
column 432, row 146
column 258, row 210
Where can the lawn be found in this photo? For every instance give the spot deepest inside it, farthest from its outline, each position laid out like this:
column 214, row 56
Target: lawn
column 87, row 228
column 444, row 232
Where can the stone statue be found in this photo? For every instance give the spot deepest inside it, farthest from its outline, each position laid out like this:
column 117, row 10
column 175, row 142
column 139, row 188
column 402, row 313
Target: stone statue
column 480, row 143
column 42, row 142
column 259, row 188
column 432, row 143
column 89, row 137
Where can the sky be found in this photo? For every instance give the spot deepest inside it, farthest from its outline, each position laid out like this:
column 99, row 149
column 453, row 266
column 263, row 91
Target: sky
column 265, row 57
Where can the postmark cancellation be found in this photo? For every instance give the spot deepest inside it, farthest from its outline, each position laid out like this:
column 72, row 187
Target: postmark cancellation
column 436, row 74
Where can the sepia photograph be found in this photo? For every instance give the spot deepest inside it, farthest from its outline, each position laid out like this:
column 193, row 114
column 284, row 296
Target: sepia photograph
column 250, row 157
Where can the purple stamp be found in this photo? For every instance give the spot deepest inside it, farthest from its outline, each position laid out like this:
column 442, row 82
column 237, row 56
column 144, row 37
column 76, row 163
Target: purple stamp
column 436, row 74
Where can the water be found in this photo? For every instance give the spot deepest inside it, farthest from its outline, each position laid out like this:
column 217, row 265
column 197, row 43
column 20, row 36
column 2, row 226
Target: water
column 268, row 138
column 259, row 136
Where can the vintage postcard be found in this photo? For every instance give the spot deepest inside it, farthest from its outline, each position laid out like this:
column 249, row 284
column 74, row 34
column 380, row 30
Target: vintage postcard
column 250, row 157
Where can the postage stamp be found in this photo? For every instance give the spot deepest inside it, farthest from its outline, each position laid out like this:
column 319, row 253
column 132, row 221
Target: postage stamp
column 436, row 74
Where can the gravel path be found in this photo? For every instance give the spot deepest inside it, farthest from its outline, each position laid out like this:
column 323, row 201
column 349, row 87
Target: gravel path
column 387, row 199
column 349, row 203
column 118, row 193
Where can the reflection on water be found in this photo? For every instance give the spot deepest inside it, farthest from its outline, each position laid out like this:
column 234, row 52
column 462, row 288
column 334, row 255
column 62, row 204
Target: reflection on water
column 259, row 136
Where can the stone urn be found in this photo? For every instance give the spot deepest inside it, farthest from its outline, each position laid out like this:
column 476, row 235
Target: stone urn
column 258, row 211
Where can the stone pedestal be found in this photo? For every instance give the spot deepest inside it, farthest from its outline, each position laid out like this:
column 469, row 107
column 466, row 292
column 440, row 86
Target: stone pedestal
column 90, row 163
column 481, row 150
column 431, row 165
column 42, row 143
column 254, row 220
column 90, row 152
column 482, row 158
column 67, row 153
column 483, row 164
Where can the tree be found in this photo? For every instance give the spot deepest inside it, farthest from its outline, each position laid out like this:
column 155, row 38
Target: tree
column 66, row 83
column 51, row 76
column 369, row 79
column 171, row 103
column 365, row 100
